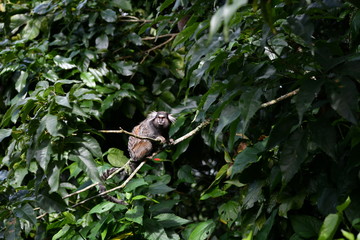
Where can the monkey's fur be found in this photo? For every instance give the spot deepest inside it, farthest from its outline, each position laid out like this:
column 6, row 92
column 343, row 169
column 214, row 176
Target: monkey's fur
column 155, row 126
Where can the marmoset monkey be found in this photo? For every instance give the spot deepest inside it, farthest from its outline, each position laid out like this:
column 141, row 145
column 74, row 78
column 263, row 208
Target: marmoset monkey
column 155, row 126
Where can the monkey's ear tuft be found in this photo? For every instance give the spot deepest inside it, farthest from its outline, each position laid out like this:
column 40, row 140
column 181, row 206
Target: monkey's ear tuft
column 171, row 118
column 152, row 115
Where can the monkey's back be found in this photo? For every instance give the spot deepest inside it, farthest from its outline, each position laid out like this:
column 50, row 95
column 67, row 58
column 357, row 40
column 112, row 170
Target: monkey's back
column 140, row 148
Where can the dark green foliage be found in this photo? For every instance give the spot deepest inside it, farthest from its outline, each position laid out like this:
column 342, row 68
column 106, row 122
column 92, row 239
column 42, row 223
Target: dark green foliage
column 287, row 169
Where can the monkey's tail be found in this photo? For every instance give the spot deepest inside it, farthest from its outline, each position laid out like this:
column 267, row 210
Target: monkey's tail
column 102, row 188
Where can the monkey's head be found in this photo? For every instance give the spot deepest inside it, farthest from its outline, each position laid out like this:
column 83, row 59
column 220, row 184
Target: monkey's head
column 161, row 120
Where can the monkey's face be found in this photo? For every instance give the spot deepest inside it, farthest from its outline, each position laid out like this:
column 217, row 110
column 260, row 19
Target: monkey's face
column 161, row 120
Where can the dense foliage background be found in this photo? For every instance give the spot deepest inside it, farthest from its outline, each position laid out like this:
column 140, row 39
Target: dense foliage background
column 287, row 169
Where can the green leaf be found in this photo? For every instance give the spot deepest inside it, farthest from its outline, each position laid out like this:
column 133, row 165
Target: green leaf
column 249, row 104
column 324, row 135
column 92, row 145
column 42, row 154
column 340, row 208
column 224, row 14
column 266, row 228
column 253, row 195
column 229, row 212
column 202, row 230
column 62, row 232
column 308, row 90
column 52, row 125
column 50, row 202
column 165, row 4
column 169, row 220
column 4, row 133
column 19, row 175
column 329, row 227
column 291, row 203
column 293, row 154
column 229, row 114
column 32, row 28
column 44, row 8
column 247, row 157
column 282, row 130
column 102, row 42
column 124, row 68
column 108, row 15
column 26, row 212
column 216, row 192
column 305, row 226
column 185, row 174
column 344, row 99
column 63, row 101
column 86, row 162
column 88, row 79
column 135, row 183
column 54, row 177
column 348, row 235
column 185, row 34
column 116, row 157
column 135, row 214
column 102, row 207
column 12, row 229
column 123, row 4
column 63, row 62
column 159, row 188
column 21, row 81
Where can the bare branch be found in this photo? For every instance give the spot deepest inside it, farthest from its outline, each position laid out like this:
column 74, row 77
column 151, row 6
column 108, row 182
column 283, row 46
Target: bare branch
column 290, row 94
column 130, row 134
column 191, row 133
column 113, row 189
column 95, row 184
column 160, row 36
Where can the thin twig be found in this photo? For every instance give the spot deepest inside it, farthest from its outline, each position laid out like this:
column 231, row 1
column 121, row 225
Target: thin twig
column 113, row 189
column 162, row 44
column 146, row 53
column 160, row 36
column 290, row 94
column 95, row 184
column 191, row 133
column 131, row 134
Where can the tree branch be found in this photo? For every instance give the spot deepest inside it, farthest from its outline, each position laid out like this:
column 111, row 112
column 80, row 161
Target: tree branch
column 290, row 94
column 95, row 184
column 191, row 133
column 113, row 189
column 130, row 134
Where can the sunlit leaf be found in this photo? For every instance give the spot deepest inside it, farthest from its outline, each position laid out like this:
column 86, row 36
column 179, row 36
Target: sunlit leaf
column 116, row 157
column 63, row 62
column 329, row 226
column 168, row 220
column 108, row 15
column 202, row 230
column 124, row 68
column 21, row 81
column 102, row 42
column 123, row 4
column 102, row 207
column 4, row 133
column 32, row 28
